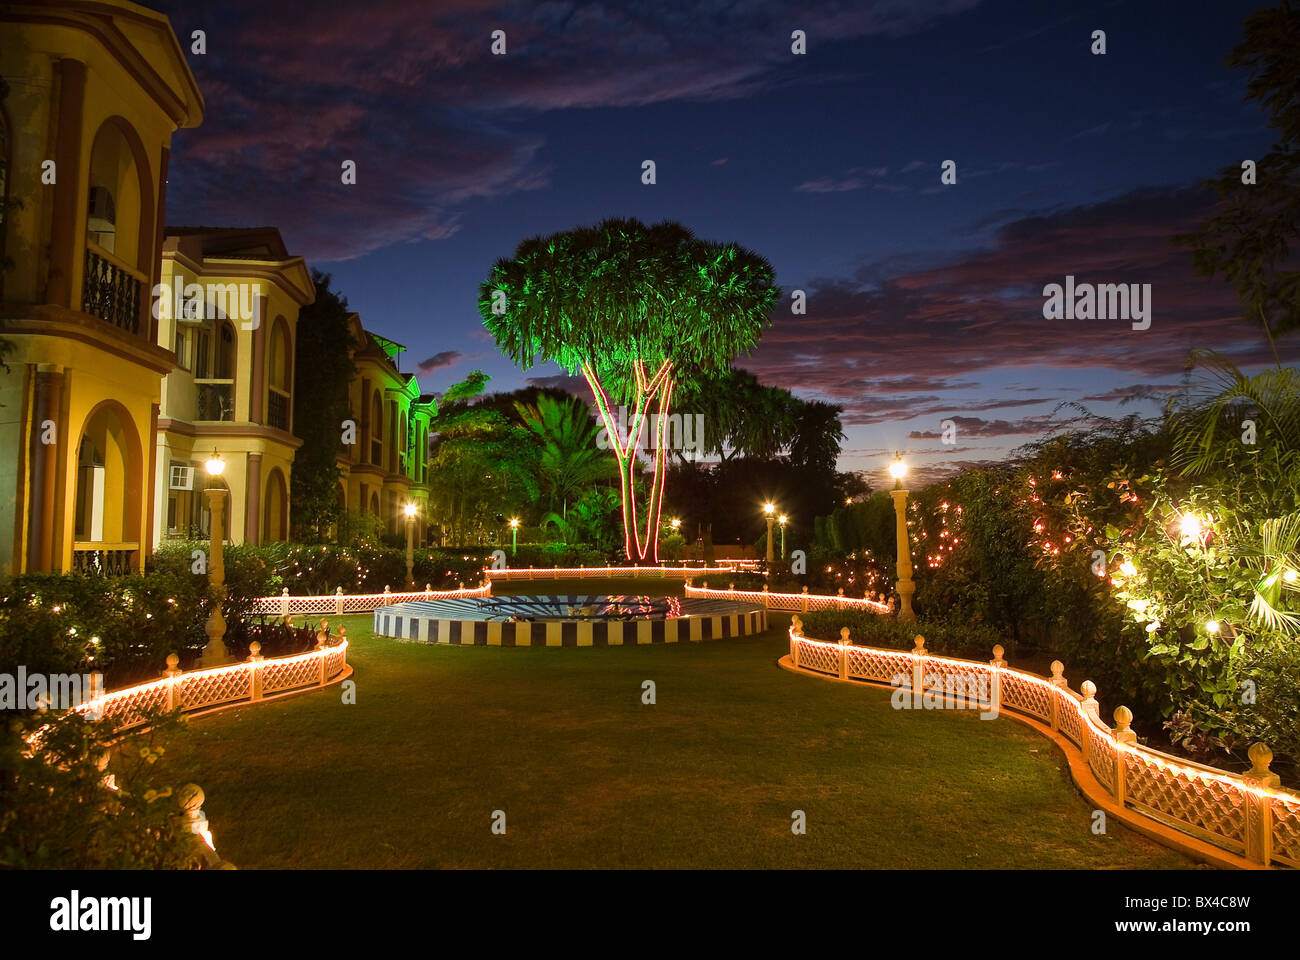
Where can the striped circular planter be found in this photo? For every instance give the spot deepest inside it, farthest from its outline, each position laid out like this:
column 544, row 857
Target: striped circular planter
column 568, row 621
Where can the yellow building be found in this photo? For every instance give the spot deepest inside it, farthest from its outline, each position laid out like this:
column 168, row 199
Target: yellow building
column 388, row 465
column 96, row 89
column 228, row 308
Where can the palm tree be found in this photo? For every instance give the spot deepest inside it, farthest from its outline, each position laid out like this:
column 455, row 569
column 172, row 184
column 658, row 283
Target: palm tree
column 569, row 458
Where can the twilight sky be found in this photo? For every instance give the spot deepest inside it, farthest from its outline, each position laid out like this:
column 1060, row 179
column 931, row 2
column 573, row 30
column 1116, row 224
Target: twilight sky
column 924, row 301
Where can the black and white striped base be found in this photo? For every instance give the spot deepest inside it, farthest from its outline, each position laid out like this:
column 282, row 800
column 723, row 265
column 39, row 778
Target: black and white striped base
column 571, row 621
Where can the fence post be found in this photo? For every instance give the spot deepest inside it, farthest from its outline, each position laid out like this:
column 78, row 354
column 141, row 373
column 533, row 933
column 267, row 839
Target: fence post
column 284, row 602
column 804, row 608
column 839, row 599
column 796, row 631
column 918, row 670
column 428, row 590
column 844, row 653
column 731, row 591
column 1124, row 735
column 1259, row 807
column 255, row 658
column 1058, row 680
column 320, row 650
column 338, row 602
column 765, row 601
column 173, row 673
column 997, row 663
column 1089, row 691
column 388, row 592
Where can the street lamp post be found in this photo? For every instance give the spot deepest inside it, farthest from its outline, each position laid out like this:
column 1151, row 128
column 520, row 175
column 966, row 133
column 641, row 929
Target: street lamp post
column 898, row 470
column 514, row 535
column 769, row 510
column 410, row 545
column 214, row 651
column 782, row 519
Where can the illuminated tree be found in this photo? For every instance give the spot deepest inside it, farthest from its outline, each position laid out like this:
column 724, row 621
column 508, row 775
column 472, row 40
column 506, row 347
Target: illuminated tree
column 638, row 310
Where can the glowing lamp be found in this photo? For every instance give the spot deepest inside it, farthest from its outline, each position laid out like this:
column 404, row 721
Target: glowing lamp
column 410, row 511
column 782, row 519
column 1127, row 568
column 1191, row 526
column 898, row 469
column 214, row 464
column 674, row 523
column 1211, row 626
column 769, row 509
column 514, row 523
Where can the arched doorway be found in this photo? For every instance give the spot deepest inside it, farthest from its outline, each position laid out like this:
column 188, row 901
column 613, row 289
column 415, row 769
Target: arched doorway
column 109, row 483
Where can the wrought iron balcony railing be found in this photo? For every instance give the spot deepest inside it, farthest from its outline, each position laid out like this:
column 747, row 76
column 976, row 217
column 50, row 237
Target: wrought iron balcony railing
column 111, row 290
column 216, row 400
column 104, row 559
column 277, row 409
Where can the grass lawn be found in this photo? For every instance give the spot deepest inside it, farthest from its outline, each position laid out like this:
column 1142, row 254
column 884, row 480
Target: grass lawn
column 588, row 776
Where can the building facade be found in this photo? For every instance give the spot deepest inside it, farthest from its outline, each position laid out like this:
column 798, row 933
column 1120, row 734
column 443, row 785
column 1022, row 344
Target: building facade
column 228, row 309
column 96, row 90
column 139, row 350
column 388, row 465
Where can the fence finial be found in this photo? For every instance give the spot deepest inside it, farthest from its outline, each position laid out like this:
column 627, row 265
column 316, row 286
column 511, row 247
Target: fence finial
column 844, row 636
column 920, row 644
column 1260, row 757
column 796, row 626
column 1123, row 732
column 254, row 651
column 173, row 665
column 1058, row 674
column 1089, row 691
column 997, row 660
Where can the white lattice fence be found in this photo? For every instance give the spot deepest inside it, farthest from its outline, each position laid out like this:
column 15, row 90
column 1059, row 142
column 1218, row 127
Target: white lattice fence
column 584, row 573
column 204, row 689
column 339, row 603
column 1245, row 814
column 792, row 602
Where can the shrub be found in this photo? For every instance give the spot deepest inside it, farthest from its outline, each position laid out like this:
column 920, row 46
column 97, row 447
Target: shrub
column 867, row 629
column 59, row 812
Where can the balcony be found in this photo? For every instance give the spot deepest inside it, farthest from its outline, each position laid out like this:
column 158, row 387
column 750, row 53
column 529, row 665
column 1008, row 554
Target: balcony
column 216, row 400
column 104, row 559
column 277, row 409
column 111, row 290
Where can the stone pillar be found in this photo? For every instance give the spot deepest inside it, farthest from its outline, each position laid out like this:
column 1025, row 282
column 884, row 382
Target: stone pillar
column 253, row 513
column 67, row 186
column 47, row 403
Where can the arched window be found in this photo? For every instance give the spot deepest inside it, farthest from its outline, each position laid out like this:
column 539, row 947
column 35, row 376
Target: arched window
column 275, row 526
column 120, row 240
column 279, row 376
column 215, row 362
column 377, row 430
